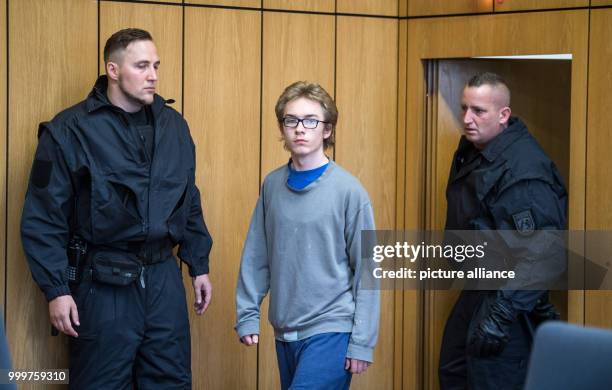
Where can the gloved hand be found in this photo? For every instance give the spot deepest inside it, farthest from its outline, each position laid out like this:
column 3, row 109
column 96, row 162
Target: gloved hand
column 492, row 334
column 544, row 311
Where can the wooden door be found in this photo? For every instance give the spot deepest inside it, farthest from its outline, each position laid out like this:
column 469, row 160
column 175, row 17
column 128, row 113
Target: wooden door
column 463, row 37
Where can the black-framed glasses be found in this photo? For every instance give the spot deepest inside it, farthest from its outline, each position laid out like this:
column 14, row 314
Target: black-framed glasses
column 308, row 123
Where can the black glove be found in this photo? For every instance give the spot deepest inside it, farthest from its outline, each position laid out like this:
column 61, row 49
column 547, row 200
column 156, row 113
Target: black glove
column 493, row 332
column 544, row 311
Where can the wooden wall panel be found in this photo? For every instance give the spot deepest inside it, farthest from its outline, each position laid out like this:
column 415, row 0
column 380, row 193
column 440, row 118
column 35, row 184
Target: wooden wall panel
column 289, row 41
column 368, row 7
column 53, row 54
column 222, row 94
column 3, row 159
column 448, row 7
column 301, row 5
column 403, row 8
column 162, row 1
column 437, row 38
column 600, row 2
column 519, row 5
column 165, row 23
column 233, row 3
column 598, row 304
column 366, row 140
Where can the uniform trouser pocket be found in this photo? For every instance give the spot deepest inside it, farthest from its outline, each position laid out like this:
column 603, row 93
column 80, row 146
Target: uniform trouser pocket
column 101, row 354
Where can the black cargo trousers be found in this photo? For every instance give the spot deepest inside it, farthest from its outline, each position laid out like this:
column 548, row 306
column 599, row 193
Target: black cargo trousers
column 134, row 336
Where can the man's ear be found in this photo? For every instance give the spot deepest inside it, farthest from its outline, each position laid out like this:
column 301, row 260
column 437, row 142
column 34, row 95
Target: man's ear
column 112, row 70
column 504, row 115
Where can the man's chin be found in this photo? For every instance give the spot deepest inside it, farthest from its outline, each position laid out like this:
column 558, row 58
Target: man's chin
column 471, row 136
column 146, row 100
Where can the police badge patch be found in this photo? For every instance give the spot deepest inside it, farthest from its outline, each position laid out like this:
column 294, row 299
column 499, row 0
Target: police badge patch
column 524, row 222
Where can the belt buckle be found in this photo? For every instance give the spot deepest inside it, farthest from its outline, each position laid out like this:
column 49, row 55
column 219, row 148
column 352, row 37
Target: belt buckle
column 145, row 254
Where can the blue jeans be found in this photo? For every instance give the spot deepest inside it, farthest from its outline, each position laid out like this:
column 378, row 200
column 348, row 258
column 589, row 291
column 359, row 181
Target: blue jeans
column 314, row 363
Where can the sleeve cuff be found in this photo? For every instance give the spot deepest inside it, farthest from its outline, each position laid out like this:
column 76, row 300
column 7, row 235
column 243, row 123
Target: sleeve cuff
column 197, row 270
column 247, row 328
column 360, row 352
column 54, row 292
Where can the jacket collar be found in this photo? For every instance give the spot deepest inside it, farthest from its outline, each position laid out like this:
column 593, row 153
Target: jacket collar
column 467, row 158
column 97, row 98
column 514, row 131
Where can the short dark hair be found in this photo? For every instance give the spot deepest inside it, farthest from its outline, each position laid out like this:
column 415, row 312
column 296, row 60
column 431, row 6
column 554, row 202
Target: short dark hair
column 488, row 78
column 122, row 38
column 314, row 92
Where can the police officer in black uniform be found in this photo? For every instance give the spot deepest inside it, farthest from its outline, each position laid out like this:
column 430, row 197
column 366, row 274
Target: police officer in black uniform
column 500, row 179
column 113, row 182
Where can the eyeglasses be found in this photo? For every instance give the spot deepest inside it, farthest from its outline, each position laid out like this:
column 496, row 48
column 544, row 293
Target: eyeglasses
column 308, row 123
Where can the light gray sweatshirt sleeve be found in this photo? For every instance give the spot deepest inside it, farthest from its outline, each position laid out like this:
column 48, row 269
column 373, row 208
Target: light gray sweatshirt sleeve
column 254, row 275
column 367, row 302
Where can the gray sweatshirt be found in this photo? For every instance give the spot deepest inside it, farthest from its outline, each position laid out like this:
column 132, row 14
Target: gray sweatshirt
column 304, row 246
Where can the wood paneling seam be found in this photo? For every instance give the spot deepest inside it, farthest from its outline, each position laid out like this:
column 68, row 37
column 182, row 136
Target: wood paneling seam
column 259, row 181
column 6, row 170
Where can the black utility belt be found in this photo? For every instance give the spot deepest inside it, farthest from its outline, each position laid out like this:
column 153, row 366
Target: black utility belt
column 119, row 268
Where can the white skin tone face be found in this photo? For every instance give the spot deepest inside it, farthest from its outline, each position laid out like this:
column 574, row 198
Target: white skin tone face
column 306, row 145
column 485, row 113
column 132, row 75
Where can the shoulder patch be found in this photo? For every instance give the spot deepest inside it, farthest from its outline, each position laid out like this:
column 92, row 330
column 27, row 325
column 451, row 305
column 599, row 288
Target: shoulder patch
column 524, row 223
column 41, row 173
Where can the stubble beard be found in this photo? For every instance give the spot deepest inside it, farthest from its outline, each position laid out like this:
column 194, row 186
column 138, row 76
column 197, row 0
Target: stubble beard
column 133, row 98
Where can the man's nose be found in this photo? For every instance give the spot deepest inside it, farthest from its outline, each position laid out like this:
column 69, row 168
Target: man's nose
column 152, row 74
column 467, row 117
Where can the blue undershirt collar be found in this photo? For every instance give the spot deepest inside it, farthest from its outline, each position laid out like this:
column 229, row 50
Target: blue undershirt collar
column 301, row 179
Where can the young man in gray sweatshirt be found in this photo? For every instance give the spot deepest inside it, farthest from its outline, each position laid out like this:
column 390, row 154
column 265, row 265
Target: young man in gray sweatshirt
column 304, row 247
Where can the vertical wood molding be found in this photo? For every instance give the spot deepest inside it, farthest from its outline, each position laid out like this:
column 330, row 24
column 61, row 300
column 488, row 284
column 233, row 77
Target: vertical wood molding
column 3, row 154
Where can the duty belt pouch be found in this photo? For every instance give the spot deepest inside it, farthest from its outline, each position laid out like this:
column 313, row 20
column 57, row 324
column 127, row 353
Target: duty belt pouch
column 115, row 267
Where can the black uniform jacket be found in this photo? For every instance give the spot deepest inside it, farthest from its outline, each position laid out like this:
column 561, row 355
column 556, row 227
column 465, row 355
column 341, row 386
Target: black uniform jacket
column 509, row 185
column 92, row 176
